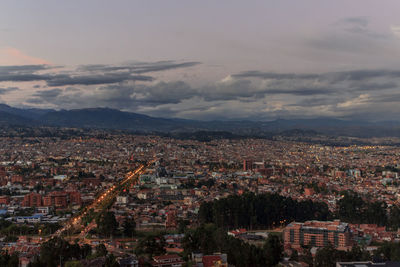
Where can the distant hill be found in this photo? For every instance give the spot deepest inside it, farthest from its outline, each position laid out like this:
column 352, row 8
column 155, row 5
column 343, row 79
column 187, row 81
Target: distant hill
column 15, row 120
column 31, row 113
column 105, row 118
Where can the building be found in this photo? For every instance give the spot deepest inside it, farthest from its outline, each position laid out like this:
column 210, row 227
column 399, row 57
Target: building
column 368, row 264
column 171, row 219
column 60, row 199
column 129, row 262
column 215, row 260
column 318, row 234
column 37, row 218
column 309, row 191
column 247, row 165
column 32, row 200
column 167, row 261
column 4, row 200
column 123, row 200
column 74, row 198
column 3, row 172
column 55, row 199
column 16, row 179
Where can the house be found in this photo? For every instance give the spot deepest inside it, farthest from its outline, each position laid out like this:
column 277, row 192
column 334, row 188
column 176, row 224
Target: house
column 122, row 200
column 167, row 261
column 129, row 262
column 215, row 260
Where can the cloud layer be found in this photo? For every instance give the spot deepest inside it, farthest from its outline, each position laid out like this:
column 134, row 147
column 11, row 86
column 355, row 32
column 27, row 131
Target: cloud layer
column 248, row 94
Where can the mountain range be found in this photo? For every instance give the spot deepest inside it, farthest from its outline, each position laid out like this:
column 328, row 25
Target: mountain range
column 106, row 118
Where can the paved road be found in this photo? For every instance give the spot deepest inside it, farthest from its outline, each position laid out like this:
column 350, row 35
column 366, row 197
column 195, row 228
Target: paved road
column 101, row 200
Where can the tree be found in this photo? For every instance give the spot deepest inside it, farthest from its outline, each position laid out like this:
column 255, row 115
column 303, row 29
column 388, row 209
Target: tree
column 273, row 250
column 325, row 257
column 294, row 256
column 86, row 251
column 358, row 253
column 260, row 211
column 394, row 219
column 111, row 261
column 57, row 249
column 52, row 250
column 35, row 263
column 182, row 224
column 388, row 252
column 73, row 264
column 74, row 251
column 307, row 257
column 129, row 227
column 328, row 256
column 101, row 250
column 107, row 224
column 208, row 239
column 352, row 208
column 88, row 218
column 9, row 260
column 151, row 245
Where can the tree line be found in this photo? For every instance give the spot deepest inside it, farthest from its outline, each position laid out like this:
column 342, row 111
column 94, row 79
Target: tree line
column 269, row 210
column 58, row 251
column 208, row 239
column 260, row 211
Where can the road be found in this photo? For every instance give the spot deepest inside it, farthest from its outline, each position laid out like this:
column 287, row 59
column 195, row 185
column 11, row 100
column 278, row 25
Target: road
column 101, row 201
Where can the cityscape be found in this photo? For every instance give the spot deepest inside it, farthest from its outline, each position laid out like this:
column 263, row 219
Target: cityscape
column 199, row 133
column 130, row 192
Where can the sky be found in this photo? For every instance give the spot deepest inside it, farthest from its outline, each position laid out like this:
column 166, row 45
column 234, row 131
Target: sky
column 206, row 60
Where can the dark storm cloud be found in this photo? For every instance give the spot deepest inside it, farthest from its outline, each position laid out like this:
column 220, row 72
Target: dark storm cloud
column 304, row 89
column 161, row 66
column 354, row 75
column 249, row 93
column 318, row 101
column 118, row 96
column 22, row 77
column 22, row 69
column 48, row 94
column 89, row 74
column 63, row 80
column 365, row 87
column 358, row 75
column 140, row 68
column 273, row 75
column 387, row 98
column 23, row 73
column 359, row 21
column 163, row 93
column 7, row 90
column 54, row 96
column 240, row 88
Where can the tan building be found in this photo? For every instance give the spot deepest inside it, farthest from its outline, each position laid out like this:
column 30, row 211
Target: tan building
column 318, row 234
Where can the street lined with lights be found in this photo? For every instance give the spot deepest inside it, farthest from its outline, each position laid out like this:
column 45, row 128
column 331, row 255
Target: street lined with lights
column 101, row 200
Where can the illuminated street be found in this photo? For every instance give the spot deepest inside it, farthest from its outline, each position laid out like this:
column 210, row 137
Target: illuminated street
column 101, row 200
